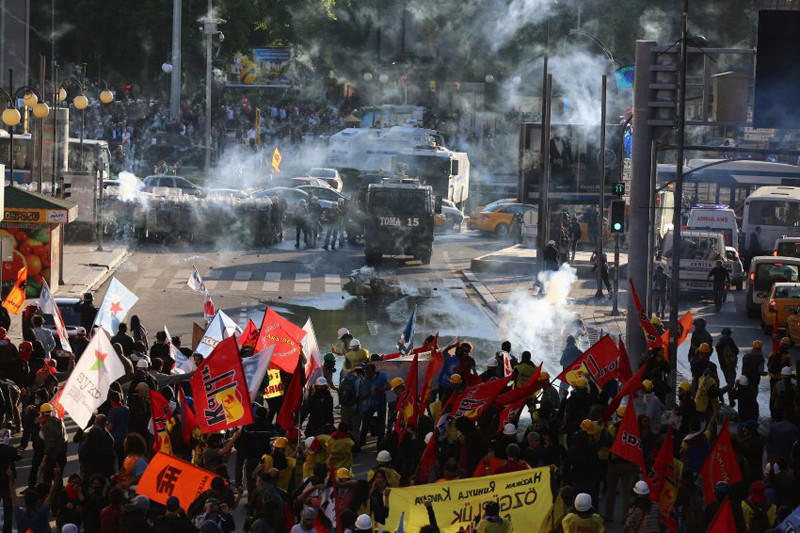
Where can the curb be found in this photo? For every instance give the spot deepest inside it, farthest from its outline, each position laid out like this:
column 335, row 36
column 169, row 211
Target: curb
column 102, row 276
column 483, row 292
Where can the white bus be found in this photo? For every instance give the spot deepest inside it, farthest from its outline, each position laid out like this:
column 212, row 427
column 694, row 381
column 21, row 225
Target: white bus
column 770, row 213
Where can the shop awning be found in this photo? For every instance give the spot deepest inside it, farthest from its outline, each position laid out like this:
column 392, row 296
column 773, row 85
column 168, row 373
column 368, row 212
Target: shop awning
column 23, row 206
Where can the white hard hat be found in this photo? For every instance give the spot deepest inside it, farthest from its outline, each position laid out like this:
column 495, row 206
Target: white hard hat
column 384, row 457
column 786, row 371
column 641, row 488
column 428, row 437
column 321, row 382
column 364, row 522
column 742, row 380
column 491, row 363
column 509, row 429
column 553, row 243
column 341, row 332
column 355, row 343
column 309, row 441
column 583, row 502
column 142, row 363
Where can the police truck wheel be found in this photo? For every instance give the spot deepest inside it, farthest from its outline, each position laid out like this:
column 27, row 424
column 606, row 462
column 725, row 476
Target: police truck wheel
column 501, row 230
column 425, row 258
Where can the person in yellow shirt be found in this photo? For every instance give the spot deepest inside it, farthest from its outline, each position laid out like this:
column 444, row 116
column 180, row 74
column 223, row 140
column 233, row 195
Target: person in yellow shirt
column 316, row 452
column 583, row 520
column 355, row 356
column 384, row 463
column 492, row 522
column 279, row 461
column 340, row 447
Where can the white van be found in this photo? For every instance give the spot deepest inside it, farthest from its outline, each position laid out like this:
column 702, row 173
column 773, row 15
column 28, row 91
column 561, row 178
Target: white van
column 787, row 247
column 715, row 218
column 765, row 271
column 699, row 251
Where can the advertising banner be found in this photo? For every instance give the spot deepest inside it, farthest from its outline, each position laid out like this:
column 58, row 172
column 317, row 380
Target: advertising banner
column 263, row 67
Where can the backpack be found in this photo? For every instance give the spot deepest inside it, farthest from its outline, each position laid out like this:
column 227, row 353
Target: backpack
column 751, row 365
column 727, row 356
column 760, row 520
column 348, row 395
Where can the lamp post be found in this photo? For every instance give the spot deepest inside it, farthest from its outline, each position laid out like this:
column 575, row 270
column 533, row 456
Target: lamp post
column 11, row 115
column 210, row 29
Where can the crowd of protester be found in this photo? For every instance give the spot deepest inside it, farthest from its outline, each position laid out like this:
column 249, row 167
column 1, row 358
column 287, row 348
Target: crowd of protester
column 285, row 475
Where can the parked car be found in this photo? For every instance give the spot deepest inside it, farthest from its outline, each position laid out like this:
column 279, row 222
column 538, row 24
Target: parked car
column 305, row 180
column 323, row 193
column 737, row 269
column 173, row 182
column 71, row 318
column 497, row 218
column 782, row 298
column 292, row 195
column 218, row 192
column 330, row 175
column 450, row 217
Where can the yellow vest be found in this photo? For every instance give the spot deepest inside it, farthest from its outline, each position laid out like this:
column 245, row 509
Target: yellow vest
column 355, row 357
column 341, row 451
column 392, row 476
column 524, row 373
column 574, row 523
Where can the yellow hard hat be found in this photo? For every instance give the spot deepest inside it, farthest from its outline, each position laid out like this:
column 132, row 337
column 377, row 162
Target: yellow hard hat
column 786, row 342
column 590, row 426
column 343, row 473
column 46, row 408
column 685, row 386
column 704, row 348
column 647, row 384
column 544, row 376
column 757, row 345
column 655, row 320
column 281, row 443
column 581, row 383
column 455, row 379
column 396, row 382
column 621, row 410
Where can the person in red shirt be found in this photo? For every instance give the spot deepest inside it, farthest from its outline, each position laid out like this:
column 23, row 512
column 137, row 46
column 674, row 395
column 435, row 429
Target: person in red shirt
column 109, row 516
column 514, row 463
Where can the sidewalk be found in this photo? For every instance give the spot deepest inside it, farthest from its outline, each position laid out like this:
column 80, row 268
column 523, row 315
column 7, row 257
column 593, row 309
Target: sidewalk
column 85, row 267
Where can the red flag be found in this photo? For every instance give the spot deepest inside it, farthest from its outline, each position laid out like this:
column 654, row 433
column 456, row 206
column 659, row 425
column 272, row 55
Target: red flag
column 16, row 296
column 276, row 330
column 249, row 335
column 476, row 399
column 407, row 406
column 520, row 394
column 219, row 389
column 650, row 333
column 601, row 360
column 664, row 483
column 59, row 409
column 629, row 388
column 160, row 413
column 684, row 327
column 428, row 459
column 187, row 418
column 434, row 366
column 510, row 413
column 287, row 416
column 723, row 520
column 720, row 464
column 624, row 372
column 209, row 310
column 628, row 442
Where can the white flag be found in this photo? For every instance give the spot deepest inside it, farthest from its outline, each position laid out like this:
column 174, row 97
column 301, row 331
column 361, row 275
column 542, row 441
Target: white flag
column 195, row 282
column 87, row 386
column 183, row 364
column 255, row 368
column 48, row 306
column 116, row 304
column 221, row 327
column 311, row 351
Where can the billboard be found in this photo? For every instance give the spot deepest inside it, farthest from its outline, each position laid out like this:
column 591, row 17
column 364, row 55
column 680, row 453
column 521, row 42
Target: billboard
column 263, row 67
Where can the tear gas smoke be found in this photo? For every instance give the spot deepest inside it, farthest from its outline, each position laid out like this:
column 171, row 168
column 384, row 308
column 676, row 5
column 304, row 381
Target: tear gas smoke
column 536, row 323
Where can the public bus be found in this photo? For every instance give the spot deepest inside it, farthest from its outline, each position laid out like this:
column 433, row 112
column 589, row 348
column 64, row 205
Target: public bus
column 96, row 156
column 731, row 182
column 776, row 211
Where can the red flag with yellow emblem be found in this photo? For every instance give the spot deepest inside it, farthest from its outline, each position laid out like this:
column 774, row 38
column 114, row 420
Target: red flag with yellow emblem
column 407, row 407
column 16, row 296
column 219, row 389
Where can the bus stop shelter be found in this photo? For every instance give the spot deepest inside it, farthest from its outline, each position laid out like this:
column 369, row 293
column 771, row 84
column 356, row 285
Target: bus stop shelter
column 31, row 235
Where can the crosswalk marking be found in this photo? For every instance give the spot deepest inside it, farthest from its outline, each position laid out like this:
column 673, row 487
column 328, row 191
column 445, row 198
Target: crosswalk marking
column 213, row 274
column 241, row 278
column 152, row 272
column 179, row 279
column 272, row 282
column 145, row 283
column 333, row 283
column 302, row 282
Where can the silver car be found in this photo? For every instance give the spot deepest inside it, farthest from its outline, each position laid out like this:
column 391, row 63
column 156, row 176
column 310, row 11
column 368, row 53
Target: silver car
column 737, row 270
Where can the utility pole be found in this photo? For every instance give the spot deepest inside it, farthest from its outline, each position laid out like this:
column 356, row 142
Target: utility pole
column 175, row 79
column 544, row 178
column 676, row 217
column 210, row 29
column 599, row 259
column 638, row 257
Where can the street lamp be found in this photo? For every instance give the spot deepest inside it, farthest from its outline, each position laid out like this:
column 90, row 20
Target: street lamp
column 11, row 115
column 210, row 29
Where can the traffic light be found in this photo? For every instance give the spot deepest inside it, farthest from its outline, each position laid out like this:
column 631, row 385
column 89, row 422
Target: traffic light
column 617, row 216
column 618, row 189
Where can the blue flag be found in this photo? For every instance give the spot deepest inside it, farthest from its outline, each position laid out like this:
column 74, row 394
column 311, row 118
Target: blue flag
column 406, row 343
column 116, row 304
column 401, row 526
column 448, row 369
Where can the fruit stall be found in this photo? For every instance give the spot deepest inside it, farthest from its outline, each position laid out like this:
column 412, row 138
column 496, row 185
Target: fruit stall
column 34, row 225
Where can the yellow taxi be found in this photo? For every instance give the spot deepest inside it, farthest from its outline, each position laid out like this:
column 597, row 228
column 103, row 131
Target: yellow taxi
column 782, row 302
column 497, row 219
column 474, row 215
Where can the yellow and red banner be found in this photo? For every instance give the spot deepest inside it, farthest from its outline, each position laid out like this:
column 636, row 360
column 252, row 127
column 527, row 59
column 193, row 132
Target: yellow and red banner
column 219, row 388
column 525, row 498
column 16, row 296
column 167, row 476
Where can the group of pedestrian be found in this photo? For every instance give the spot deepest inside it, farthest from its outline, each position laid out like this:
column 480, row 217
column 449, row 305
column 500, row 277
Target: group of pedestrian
column 311, row 221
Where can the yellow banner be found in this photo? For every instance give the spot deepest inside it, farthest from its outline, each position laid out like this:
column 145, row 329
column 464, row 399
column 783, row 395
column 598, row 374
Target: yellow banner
column 275, row 386
column 525, row 499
